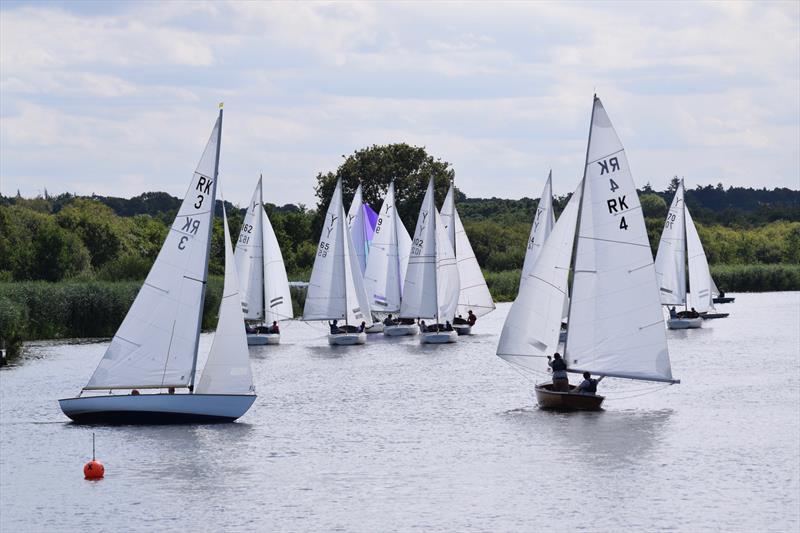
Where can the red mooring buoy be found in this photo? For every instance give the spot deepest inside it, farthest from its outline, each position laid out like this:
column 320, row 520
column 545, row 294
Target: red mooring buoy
column 94, row 469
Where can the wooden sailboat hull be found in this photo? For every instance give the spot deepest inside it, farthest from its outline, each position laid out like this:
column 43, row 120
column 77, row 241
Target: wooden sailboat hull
column 684, row 323
column 377, row 327
column 438, row 337
column 260, row 339
column 463, row 329
column 724, row 300
column 347, row 339
column 157, row 408
column 567, row 401
column 400, row 330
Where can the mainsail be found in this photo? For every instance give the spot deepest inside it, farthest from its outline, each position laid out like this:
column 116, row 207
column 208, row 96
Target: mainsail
column 533, row 324
column 156, row 345
column 277, row 298
column 227, row 369
column 250, row 258
column 616, row 327
column 700, row 280
column 473, row 292
column 388, row 258
column 671, row 255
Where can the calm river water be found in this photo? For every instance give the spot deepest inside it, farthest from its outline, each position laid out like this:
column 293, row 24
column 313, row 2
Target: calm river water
column 393, row 436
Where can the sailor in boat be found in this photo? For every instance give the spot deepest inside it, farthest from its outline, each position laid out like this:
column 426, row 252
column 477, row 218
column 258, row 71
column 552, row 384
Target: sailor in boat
column 471, row 318
column 274, row 328
column 672, row 312
column 422, row 327
column 559, row 366
column 388, row 321
column 448, row 326
column 589, row 385
column 362, row 327
column 335, row 327
column 688, row 314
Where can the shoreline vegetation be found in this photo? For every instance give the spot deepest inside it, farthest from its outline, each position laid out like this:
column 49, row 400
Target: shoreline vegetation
column 71, row 265
column 39, row 310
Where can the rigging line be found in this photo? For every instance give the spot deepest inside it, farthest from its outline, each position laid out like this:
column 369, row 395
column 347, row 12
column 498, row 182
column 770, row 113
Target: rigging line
column 646, row 392
column 613, row 241
column 547, row 283
column 604, row 156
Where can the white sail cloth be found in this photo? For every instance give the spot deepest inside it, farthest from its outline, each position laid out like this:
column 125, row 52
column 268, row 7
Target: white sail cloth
column 227, row 369
column 156, row 345
column 388, row 258
column 336, row 288
column 533, row 324
column 431, row 285
column 474, row 294
column 250, row 258
column 277, row 297
column 543, row 222
column 356, row 225
column 671, row 255
column 616, row 326
column 699, row 274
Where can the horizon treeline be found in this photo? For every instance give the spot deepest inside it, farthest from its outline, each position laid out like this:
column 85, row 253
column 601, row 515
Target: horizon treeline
column 105, row 238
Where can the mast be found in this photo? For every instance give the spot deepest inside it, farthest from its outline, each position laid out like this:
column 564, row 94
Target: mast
column 208, row 253
column 578, row 223
column 687, row 278
column 263, row 248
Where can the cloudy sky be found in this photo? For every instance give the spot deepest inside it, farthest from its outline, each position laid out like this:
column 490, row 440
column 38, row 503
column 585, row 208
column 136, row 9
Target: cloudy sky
column 119, row 98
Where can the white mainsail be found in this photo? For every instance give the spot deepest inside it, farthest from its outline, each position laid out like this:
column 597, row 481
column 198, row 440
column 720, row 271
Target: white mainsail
column 473, row 293
column 250, row 257
column 430, row 251
column 671, row 255
column 227, row 369
column 388, row 258
column 336, row 288
column 700, row 280
column 356, row 224
column 533, row 324
column 277, row 297
column 156, row 345
column 543, row 222
column 616, row 327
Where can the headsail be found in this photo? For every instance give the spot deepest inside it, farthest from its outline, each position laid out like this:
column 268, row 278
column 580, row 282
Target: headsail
column 277, row 297
column 227, row 369
column 250, row 257
column 700, row 280
column 616, row 327
column 156, row 345
column 357, row 225
column 447, row 274
column 473, row 292
column 671, row 255
column 533, row 324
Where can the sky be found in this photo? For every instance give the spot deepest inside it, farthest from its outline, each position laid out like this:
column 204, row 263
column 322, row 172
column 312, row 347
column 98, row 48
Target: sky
column 119, row 98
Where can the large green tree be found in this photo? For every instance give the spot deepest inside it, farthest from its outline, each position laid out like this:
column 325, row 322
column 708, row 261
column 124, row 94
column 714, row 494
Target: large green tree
column 410, row 167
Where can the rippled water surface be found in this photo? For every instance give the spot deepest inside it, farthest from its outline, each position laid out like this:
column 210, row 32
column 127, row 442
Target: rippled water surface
column 393, row 436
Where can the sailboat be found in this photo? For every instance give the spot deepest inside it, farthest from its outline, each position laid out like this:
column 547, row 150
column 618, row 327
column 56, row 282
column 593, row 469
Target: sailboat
column 387, row 265
column 156, row 347
column 615, row 324
column 265, row 287
column 474, row 296
column 336, row 288
column 431, row 286
column 361, row 221
column 719, row 296
column 680, row 244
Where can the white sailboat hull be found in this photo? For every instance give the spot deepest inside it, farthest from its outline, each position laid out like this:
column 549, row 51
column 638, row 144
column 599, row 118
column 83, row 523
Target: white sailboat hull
column 438, row 337
column 377, row 327
column 157, row 408
column 463, row 329
column 347, row 339
column 684, row 323
column 400, row 330
column 260, row 339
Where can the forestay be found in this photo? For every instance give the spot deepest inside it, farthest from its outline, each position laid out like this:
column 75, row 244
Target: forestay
column 419, row 288
column 277, row 296
column 227, row 369
column 473, row 293
column 250, row 257
column 533, row 324
column 156, row 345
column 616, row 327
column 543, row 222
column 671, row 255
column 699, row 274
column 336, row 288
column 388, row 258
